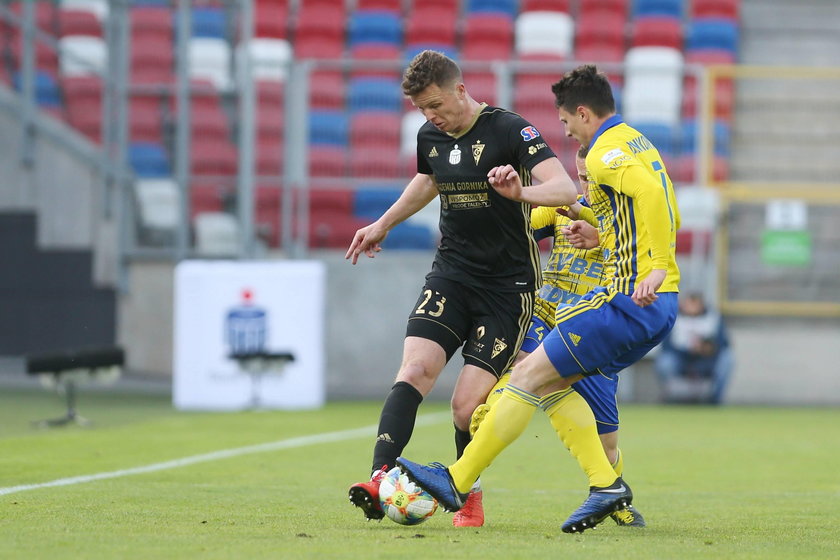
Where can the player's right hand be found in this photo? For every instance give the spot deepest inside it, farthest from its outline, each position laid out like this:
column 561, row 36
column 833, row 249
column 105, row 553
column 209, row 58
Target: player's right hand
column 581, row 235
column 367, row 240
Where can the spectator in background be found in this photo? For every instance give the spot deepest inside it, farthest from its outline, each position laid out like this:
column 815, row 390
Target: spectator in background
column 695, row 361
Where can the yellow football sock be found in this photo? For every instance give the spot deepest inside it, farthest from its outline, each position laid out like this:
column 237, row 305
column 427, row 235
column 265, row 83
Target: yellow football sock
column 498, row 389
column 618, row 466
column 505, row 422
column 575, row 424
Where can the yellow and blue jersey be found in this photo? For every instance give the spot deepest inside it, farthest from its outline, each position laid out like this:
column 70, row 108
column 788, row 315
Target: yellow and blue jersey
column 633, row 196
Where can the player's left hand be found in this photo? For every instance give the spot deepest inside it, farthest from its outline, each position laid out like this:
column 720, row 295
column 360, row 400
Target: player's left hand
column 506, row 181
column 645, row 292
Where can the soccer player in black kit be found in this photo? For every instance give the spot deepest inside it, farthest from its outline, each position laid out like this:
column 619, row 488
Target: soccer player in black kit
column 480, row 292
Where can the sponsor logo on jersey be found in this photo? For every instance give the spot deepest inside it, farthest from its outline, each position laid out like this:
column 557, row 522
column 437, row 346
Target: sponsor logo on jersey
column 434, row 152
column 386, row 437
column 575, row 338
column 498, row 347
column 536, row 148
column 614, row 158
column 479, row 333
column 477, row 149
column 529, row 133
column 455, row 156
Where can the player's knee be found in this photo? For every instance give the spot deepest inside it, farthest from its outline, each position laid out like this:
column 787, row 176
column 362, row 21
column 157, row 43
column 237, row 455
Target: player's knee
column 418, row 375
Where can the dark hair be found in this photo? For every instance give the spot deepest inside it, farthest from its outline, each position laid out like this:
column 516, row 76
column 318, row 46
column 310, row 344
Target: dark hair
column 584, row 86
column 583, row 151
column 427, row 68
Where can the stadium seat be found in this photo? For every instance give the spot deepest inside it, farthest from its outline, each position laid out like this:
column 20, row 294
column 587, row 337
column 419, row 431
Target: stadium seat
column 656, row 31
column 666, row 138
column 327, row 161
column 544, row 33
column 209, row 123
column 319, row 33
column 653, row 85
column 269, row 160
column 372, row 202
column 724, row 9
column 375, row 162
column 601, row 31
column 376, row 57
column 723, row 99
column 210, row 60
column 411, row 123
column 507, row 8
column 333, row 231
column 152, row 62
column 532, row 93
column 374, row 94
column 598, row 8
column 158, row 205
column 208, row 22
column 149, row 160
column 270, row 58
column 670, row 8
column 431, row 26
column 595, row 54
column 545, row 6
column 375, row 129
column 721, row 137
column 150, row 25
column 326, row 90
column 213, row 157
column 328, row 128
column 330, row 200
column 409, row 236
column 271, row 19
column 216, row 234
column 393, row 6
column 481, row 86
column 712, row 34
column 47, row 92
column 82, row 89
column 145, row 125
column 374, row 27
column 98, row 8
column 78, row 22
column 487, row 36
column 206, row 196
column 81, row 55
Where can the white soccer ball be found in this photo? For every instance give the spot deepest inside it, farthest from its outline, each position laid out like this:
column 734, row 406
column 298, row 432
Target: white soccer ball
column 403, row 501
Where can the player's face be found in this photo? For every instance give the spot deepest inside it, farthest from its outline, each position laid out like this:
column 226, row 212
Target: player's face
column 582, row 176
column 574, row 125
column 445, row 108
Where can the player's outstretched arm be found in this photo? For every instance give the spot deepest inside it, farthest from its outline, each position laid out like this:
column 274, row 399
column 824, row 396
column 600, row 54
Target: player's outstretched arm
column 419, row 192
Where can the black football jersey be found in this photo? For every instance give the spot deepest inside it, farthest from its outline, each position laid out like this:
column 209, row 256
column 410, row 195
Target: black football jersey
column 486, row 238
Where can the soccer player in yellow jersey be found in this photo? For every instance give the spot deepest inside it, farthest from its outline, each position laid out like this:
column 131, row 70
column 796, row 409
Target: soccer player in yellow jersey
column 609, row 328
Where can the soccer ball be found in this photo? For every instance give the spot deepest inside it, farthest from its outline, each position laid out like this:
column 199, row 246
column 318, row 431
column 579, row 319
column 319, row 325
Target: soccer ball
column 403, row 501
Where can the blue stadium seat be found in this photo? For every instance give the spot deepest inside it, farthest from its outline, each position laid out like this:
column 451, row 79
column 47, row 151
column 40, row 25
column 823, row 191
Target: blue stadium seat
column 721, row 137
column 506, row 7
column 374, row 27
column 47, row 92
column 208, row 22
column 379, row 94
column 672, row 8
column 712, row 34
column 409, row 236
column 149, row 159
column 664, row 137
column 371, row 202
column 329, row 128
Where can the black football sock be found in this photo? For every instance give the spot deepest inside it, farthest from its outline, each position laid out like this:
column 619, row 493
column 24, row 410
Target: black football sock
column 462, row 439
column 396, row 424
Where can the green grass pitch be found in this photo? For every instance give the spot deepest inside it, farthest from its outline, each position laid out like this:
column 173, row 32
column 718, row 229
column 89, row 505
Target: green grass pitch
column 723, row 483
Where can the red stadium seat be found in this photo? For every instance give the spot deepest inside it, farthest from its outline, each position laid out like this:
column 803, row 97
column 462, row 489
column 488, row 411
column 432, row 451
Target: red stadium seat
column 319, row 31
column 271, row 19
column 269, row 159
column 152, row 62
column 326, row 90
column 213, row 157
column 376, row 52
column 545, row 6
column 270, row 95
column 375, row 130
column 723, row 96
column 87, row 120
column 601, row 30
column 145, row 125
column 728, row 9
column 375, row 162
column 78, row 22
column 656, row 31
column 46, row 15
column 208, row 122
column 327, row 161
column 334, row 201
column 601, row 7
column 394, row 6
column 487, row 36
column 332, row 230
column 151, row 24
column 46, row 57
column 431, row 26
column 206, row 197
column 481, row 86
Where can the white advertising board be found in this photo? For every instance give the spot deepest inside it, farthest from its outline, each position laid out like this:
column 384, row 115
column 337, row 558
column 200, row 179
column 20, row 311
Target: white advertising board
column 227, row 307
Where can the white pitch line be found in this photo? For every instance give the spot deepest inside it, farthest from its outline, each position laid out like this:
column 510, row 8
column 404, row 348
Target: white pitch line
column 301, row 441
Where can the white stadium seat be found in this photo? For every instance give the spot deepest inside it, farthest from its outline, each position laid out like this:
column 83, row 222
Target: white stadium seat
column 81, row 55
column 549, row 33
column 210, row 60
column 653, row 85
column 99, row 8
column 411, row 123
column 216, row 234
column 269, row 58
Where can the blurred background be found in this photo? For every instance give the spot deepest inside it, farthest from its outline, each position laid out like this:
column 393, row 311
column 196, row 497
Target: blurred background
column 137, row 135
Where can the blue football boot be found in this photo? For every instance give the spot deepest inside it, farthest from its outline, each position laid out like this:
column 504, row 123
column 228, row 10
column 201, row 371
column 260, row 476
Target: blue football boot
column 598, row 506
column 436, row 480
